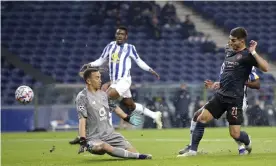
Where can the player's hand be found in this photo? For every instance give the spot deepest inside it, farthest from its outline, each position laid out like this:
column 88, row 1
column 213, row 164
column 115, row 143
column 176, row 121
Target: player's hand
column 134, row 119
column 216, row 85
column 83, row 145
column 83, row 68
column 154, row 73
column 252, row 46
column 208, row 84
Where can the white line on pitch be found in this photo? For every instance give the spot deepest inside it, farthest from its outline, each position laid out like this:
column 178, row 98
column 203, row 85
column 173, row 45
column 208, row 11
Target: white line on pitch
column 138, row 140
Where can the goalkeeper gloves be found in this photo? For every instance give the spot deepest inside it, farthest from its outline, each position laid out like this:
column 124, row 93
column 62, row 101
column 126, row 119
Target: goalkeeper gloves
column 134, row 119
column 83, row 145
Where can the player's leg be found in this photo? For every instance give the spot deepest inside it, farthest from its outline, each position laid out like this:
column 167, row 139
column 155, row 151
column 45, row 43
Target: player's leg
column 101, row 148
column 244, row 108
column 213, row 109
column 235, row 119
column 118, row 140
column 112, row 93
column 198, row 132
column 139, row 108
column 105, row 86
column 118, row 88
column 192, row 127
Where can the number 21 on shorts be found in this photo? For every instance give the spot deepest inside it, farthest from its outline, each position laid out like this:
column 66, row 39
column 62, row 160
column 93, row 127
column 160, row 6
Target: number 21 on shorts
column 234, row 112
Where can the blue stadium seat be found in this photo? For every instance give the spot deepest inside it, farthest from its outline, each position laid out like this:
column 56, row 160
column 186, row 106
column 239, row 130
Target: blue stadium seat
column 58, row 37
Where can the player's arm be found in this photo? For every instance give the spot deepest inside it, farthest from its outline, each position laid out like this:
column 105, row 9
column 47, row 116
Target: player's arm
column 82, row 114
column 211, row 85
column 254, row 80
column 260, row 62
column 82, row 122
column 256, row 84
column 102, row 58
column 134, row 55
column 120, row 112
column 215, row 85
column 133, row 119
column 105, row 86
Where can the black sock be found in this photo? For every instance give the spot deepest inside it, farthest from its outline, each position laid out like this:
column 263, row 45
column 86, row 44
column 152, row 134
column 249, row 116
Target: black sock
column 244, row 138
column 197, row 135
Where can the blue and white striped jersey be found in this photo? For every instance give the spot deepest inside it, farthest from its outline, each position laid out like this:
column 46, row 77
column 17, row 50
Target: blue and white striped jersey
column 119, row 60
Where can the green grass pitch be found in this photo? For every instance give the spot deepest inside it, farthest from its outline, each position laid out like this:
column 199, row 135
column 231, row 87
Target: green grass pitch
column 217, row 149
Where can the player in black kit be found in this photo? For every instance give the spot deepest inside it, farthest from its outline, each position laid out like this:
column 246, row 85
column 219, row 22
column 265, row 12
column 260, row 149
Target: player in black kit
column 229, row 97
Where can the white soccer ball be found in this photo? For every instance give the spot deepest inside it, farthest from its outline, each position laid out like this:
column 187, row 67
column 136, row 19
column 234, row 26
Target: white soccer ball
column 24, row 94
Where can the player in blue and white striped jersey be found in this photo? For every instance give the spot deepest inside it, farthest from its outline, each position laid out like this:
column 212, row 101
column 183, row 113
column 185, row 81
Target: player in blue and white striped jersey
column 253, row 83
column 119, row 54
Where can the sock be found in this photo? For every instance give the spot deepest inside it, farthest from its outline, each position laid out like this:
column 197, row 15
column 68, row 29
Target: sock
column 197, row 135
column 244, row 138
column 144, row 111
column 192, row 128
column 240, row 145
column 121, row 153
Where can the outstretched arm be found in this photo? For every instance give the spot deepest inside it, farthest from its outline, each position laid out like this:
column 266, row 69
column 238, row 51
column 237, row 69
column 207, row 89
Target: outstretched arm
column 134, row 55
column 102, row 58
column 120, row 113
column 133, row 119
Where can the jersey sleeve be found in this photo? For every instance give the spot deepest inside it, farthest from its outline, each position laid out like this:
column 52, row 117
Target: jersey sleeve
column 253, row 75
column 134, row 55
column 221, row 70
column 81, row 106
column 102, row 58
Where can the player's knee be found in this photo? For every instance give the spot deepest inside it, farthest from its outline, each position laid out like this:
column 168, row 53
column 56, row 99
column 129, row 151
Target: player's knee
column 105, row 146
column 205, row 116
column 99, row 147
column 129, row 104
column 196, row 114
column 112, row 93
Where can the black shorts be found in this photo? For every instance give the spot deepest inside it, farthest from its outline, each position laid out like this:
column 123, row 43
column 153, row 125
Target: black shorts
column 219, row 104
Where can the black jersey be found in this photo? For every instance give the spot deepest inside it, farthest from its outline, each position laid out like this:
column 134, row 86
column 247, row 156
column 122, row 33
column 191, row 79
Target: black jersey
column 237, row 67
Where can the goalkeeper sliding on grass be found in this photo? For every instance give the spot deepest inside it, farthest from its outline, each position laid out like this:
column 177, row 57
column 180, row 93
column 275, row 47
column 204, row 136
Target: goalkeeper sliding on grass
column 96, row 133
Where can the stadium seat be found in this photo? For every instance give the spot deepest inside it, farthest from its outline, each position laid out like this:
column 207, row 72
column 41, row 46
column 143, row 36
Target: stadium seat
column 57, row 38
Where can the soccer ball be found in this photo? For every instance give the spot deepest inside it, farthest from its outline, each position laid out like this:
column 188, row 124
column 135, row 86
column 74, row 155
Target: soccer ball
column 24, row 94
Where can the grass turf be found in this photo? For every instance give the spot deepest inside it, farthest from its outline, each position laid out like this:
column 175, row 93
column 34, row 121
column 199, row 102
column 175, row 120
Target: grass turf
column 217, row 149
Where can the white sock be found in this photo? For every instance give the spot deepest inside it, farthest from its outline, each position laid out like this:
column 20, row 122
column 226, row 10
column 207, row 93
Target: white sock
column 240, row 145
column 192, row 128
column 144, row 111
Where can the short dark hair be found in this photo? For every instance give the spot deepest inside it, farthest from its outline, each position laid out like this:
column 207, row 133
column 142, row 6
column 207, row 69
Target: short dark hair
column 123, row 28
column 88, row 71
column 239, row 33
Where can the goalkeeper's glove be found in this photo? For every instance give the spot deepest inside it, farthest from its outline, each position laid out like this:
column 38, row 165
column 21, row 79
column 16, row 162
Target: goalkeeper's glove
column 83, row 145
column 134, row 119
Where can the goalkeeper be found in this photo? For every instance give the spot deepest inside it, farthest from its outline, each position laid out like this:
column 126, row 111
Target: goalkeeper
column 96, row 133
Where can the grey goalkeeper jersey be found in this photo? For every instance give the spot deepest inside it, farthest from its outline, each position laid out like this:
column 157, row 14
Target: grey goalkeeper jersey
column 96, row 108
